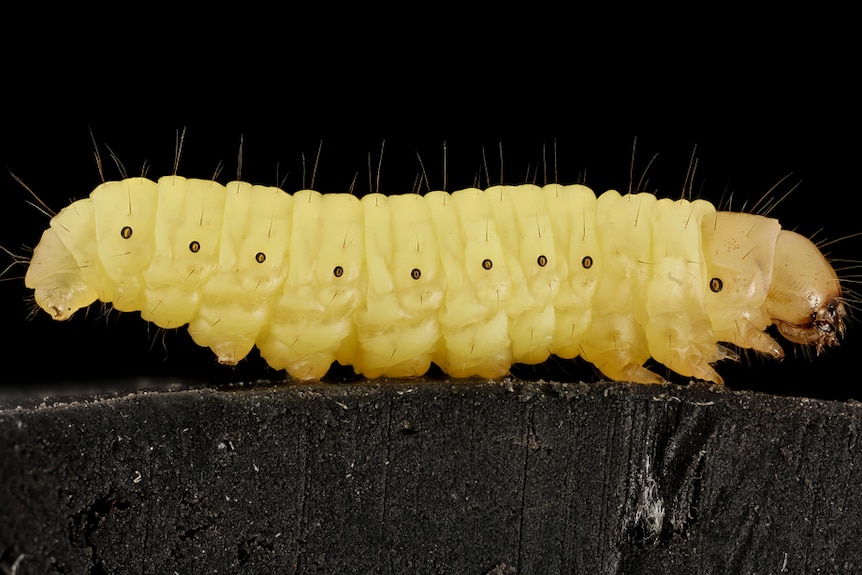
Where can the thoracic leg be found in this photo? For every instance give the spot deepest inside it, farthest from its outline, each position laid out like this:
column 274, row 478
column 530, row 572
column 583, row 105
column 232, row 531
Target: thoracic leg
column 747, row 335
column 685, row 346
column 617, row 346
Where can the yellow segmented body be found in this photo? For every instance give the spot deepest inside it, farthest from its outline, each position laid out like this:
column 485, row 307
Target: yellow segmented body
column 473, row 281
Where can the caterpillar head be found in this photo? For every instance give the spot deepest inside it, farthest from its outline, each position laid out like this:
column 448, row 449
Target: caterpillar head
column 804, row 298
column 59, row 287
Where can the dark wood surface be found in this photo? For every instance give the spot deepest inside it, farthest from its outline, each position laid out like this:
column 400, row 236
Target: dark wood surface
column 430, row 477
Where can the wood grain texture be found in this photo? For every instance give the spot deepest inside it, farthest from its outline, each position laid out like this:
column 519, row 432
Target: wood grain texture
column 434, row 478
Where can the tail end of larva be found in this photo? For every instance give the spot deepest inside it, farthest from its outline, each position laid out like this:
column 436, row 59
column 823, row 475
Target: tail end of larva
column 54, row 275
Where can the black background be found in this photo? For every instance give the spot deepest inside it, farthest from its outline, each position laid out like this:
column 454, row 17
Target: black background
column 751, row 108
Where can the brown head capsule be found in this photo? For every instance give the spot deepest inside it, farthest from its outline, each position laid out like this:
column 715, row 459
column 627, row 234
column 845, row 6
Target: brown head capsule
column 804, row 298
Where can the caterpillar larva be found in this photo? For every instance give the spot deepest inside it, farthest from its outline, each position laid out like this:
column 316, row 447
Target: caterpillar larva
column 473, row 281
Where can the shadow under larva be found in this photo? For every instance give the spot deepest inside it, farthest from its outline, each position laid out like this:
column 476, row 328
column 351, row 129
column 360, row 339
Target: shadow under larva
column 472, row 281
